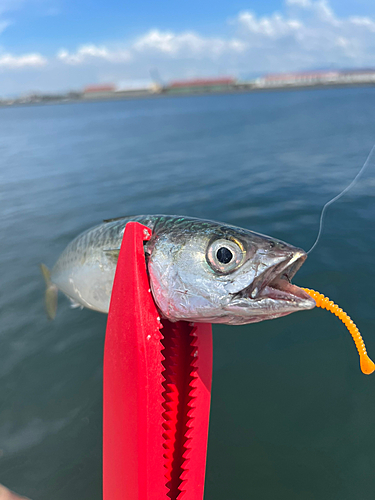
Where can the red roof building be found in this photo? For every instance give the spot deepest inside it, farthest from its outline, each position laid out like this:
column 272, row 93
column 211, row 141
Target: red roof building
column 202, row 82
column 99, row 88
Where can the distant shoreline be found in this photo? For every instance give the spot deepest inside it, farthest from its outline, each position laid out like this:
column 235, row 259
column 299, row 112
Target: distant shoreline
column 238, row 89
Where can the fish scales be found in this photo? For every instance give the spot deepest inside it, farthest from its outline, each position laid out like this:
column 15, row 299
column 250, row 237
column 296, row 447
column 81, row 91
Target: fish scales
column 199, row 270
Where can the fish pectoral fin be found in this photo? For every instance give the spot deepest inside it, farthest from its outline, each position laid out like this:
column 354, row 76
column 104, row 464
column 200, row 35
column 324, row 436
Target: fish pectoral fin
column 74, row 304
column 112, row 253
column 50, row 297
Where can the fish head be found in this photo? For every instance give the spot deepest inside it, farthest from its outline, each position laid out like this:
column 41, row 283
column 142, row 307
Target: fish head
column 203, row 271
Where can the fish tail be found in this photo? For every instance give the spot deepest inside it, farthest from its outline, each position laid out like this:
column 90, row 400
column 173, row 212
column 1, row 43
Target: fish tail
column 50, row 297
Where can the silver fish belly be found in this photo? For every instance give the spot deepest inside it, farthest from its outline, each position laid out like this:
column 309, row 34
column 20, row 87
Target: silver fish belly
column 199, row 270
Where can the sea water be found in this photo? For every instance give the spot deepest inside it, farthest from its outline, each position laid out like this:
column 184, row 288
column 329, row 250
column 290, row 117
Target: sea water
column 292, row 415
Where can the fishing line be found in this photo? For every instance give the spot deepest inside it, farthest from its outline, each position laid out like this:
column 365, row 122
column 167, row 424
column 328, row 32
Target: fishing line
column 369, row 157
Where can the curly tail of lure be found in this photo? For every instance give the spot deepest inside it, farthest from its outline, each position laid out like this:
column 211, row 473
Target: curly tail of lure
column 367, row 366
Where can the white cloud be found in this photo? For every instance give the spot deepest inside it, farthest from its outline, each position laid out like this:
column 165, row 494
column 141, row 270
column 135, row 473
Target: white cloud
column 88, row 53
column 168, row 42
column 9, row 9
column 364, row 22
column 9, row 61
column 304, row 34
column 324, row 12
column 36, row 5
column 308, row 34
column 4, row 24
column 274, row 26
column 184, row 44
column 299, row 3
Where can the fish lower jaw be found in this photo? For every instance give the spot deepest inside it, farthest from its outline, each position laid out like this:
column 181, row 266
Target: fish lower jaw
column 280, row 294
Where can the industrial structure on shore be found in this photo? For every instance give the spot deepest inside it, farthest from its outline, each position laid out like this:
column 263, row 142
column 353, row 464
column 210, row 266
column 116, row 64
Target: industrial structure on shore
column 317, row 78
column 278, row 81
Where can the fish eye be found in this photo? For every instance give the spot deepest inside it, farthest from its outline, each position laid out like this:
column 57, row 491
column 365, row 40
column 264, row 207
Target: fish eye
column 225, row 255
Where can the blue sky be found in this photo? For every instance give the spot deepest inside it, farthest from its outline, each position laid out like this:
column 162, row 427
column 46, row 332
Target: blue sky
column 52, row 45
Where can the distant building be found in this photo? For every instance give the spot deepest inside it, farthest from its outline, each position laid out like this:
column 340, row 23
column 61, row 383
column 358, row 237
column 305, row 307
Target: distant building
column 304, row 78
column 137, row 89
column 99, row 91
column 311, row 78
column 208, row 85
column 358, row 75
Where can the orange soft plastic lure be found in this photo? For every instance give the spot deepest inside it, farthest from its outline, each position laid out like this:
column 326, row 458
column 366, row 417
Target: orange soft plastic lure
column 367, row 366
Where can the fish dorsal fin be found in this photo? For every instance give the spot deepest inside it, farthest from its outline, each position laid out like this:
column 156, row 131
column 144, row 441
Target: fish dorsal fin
column 118, row 218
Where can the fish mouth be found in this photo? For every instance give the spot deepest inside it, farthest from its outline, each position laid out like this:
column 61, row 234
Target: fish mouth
column 275, row 284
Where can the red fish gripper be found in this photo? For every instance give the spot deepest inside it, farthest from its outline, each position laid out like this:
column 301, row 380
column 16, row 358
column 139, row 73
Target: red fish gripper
column 156, row 390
